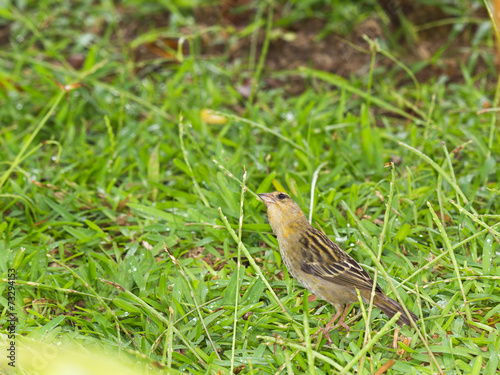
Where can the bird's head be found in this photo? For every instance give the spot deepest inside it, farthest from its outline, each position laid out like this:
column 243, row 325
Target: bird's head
column 284, row 214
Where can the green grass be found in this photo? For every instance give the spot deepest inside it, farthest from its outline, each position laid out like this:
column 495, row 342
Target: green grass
column 97, row 184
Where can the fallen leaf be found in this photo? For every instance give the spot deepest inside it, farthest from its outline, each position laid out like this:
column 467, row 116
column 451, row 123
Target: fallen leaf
column 386, row 366
column 211, row 118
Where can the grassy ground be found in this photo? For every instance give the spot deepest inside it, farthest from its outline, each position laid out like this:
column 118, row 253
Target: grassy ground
column 97, row 182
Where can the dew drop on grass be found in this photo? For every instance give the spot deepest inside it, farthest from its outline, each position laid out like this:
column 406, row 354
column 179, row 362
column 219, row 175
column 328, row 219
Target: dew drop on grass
column 442, row 302
column 126, row 313
column 154, row 127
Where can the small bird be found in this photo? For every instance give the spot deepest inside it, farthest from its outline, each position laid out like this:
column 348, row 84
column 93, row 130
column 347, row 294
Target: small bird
column 320, row 265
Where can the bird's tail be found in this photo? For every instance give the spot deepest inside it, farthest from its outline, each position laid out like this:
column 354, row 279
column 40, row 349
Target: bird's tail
column 390, row 307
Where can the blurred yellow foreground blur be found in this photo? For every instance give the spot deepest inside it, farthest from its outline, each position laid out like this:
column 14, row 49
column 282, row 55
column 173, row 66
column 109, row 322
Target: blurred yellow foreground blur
column 71, row 358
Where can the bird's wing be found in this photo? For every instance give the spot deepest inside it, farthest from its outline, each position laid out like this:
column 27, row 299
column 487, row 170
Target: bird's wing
column 323, row 258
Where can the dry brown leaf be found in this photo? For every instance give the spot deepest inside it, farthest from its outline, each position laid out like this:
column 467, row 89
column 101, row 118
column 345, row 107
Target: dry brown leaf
column 386, row 366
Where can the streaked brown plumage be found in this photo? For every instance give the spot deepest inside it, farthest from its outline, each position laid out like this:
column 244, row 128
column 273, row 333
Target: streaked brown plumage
column 319, row 264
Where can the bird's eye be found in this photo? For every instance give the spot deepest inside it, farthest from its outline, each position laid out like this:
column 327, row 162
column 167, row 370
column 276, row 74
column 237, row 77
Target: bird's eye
column 281, row 196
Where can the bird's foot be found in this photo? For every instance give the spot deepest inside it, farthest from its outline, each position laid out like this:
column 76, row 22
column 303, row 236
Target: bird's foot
column 341, row 323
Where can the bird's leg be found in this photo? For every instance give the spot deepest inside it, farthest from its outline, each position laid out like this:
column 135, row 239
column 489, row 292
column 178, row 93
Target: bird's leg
column 341, row 322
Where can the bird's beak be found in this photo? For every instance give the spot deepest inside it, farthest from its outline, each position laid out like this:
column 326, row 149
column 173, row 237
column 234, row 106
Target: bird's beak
column 267, row 198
